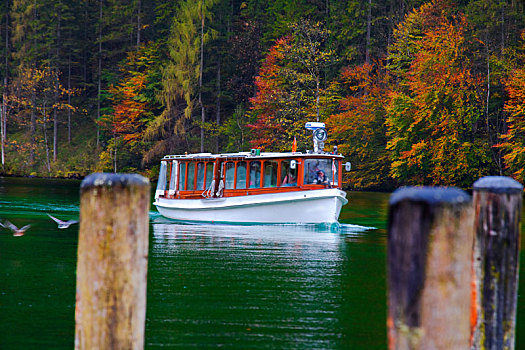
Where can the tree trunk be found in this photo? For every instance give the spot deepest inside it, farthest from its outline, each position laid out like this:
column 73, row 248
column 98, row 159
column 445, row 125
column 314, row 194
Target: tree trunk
column 84, row 51
column 69, row 99
column 317, row 96
column 203, row 119
column 99, row 83
column 240, row 129
column 2, row 131
column 139, row 5
column 496, row 154
column 55, row 115
column 488, row 91
column 55, row 128
column 45, row 140
column 4, row 103
column 368, row 28
column 503, row 29
column 32, row 128
column 218, row 104
column 327, row 13
column 3, row 119
column 115, row 153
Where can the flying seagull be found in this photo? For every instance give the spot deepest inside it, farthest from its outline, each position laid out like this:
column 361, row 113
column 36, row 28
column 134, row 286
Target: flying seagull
column 61, row 223
column 17, row 232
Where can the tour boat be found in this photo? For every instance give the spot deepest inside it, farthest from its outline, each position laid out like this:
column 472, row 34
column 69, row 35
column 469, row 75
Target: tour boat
column 253, row 187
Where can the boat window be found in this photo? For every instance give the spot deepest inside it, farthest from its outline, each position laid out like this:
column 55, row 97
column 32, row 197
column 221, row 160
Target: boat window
column 173, row 179
column 318, row 171
column 255, row 174
column 230, row 175
column 191, row 176
column 161, row 184
column 182, row 176
column 241, row 175
column 335, row 169
column 270, row 173
column 200, row 176
column 288, row 175
column 209, row 174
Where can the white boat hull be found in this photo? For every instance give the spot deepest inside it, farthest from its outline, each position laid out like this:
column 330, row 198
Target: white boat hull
column 313, row 206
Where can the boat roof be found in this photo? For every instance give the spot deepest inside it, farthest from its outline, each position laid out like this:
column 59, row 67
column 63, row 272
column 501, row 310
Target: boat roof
column 250, row 155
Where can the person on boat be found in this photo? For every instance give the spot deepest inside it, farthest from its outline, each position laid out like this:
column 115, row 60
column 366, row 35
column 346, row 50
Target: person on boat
column 290, row 180
column 321, row 178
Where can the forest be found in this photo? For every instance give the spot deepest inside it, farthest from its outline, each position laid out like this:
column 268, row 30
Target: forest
column 412, row 92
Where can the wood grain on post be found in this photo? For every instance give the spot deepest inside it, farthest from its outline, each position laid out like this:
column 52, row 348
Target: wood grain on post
column 112, row 262
column 497, row 203
column 430, row 237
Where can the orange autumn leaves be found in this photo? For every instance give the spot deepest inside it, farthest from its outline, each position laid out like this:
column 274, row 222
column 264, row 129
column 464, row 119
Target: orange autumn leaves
column 433, row 116
column 429, row 113
column 514, row 140
column 132, row 106
column 419, row 119
column 360, row 129
column 128, row 114
column 415, row 117
column 292, row 88
column 266, row 101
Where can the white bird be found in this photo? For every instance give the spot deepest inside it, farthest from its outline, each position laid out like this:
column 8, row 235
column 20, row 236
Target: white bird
column 61, row 223
column 17, row 232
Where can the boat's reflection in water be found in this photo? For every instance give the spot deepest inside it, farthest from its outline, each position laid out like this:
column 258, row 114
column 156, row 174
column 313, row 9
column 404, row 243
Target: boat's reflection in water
column 166, row 229
column 248, row 286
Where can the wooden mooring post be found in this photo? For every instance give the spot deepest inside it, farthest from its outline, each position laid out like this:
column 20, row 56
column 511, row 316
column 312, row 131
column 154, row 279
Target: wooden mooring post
column 497, row 203
column 112, row 262
column 430, row 238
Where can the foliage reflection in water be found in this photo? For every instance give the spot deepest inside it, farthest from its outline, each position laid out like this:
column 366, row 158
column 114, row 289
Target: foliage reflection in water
column 208, row 285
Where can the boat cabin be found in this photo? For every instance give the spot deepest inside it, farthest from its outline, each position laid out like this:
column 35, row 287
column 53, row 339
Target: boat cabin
column 206, row 175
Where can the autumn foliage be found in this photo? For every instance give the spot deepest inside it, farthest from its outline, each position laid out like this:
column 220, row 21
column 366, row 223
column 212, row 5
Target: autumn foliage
column 432, row 117
column 129, row 110
column 417, row 120
column 413, row 92
column 514, row 140
column 132, row 107
column 265, row 104
column 359, row 129
column 292, row 88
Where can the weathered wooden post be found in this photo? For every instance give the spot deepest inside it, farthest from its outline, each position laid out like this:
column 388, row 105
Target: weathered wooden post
column 497, row 202
column 430, row 237
column 112, row 262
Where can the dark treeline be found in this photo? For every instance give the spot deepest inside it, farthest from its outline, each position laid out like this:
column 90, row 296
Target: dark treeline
column 413, row 92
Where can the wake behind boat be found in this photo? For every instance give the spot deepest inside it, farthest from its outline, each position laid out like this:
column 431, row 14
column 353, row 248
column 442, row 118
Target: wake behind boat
column 253, row 187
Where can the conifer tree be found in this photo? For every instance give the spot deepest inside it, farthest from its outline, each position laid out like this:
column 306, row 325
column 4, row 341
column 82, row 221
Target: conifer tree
column 180, row 76
column 27, row 43
column 5, row 9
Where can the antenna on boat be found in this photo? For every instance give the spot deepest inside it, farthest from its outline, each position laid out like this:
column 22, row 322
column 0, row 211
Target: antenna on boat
column 319, row 134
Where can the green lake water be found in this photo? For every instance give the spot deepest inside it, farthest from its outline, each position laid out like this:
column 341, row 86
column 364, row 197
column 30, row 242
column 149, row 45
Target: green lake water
column 209, row 286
